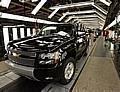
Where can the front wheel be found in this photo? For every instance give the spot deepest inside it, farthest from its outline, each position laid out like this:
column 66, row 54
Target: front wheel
column 67, row 71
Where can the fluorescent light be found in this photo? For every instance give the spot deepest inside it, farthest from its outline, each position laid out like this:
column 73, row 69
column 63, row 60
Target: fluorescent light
column 20, row 25
column 5, row 3
column 72, row 5
column 88, row 25
column 34, row 0
column 91, row 19
column 68, row 19
column 83, row 19
column 78, row 12
column 105, row 2
column 89, row 22
column 37, row 8
column 14, row 26
column 81, row 12
column 85, row 16
column 53, row 13
column 64, row 15
column 8, row 26
column 23, row 18
column 22, row 1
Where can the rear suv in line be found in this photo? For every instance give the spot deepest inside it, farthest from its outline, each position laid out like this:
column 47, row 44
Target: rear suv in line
column 49, row 55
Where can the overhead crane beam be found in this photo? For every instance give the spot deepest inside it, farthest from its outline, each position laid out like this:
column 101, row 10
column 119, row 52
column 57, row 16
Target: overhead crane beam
column 82, row 12
column 102, row 17
column 76, row 13
column 57, row 8
column 23, row 18
column 72, row 5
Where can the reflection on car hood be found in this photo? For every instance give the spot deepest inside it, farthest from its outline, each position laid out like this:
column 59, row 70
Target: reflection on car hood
column 41, row 43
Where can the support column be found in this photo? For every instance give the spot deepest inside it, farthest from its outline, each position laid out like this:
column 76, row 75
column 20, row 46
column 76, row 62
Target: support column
column 31, row 31
column 6, row 36
column 25, row 32
column 2, row 46
column 10, row 34
column 18, row 33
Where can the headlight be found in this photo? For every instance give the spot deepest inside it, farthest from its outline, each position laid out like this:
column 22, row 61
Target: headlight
column 50, row 58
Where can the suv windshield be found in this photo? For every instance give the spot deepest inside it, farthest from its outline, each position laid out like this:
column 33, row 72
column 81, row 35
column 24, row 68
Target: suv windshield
column 64, row 30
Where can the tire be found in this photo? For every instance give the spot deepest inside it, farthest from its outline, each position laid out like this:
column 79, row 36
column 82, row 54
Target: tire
column 65, row 78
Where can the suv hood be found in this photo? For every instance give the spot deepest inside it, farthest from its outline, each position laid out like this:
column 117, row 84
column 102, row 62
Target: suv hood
column 40, row 43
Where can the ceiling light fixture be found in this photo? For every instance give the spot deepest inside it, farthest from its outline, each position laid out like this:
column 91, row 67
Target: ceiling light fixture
column 64, row 15
column 89, row 20
column 67, row 20
column 53, row 13
column 15, row 26
column 81, row 12
column 34, row 0
column 24, row 1
column 74, row 13
column 105, row 2
column 81, row 17
column 72, row 5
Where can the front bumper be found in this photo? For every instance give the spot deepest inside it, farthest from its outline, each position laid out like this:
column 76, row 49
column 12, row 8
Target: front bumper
column 33, row 73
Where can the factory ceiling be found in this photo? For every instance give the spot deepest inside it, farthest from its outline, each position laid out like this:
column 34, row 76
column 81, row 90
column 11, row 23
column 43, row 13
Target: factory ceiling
column 49, row 12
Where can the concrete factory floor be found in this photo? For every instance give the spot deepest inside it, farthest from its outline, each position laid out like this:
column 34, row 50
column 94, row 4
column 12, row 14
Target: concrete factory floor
column 99, row 74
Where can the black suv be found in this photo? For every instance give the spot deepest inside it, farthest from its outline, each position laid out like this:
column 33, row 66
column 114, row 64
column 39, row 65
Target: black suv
column 51, row 54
